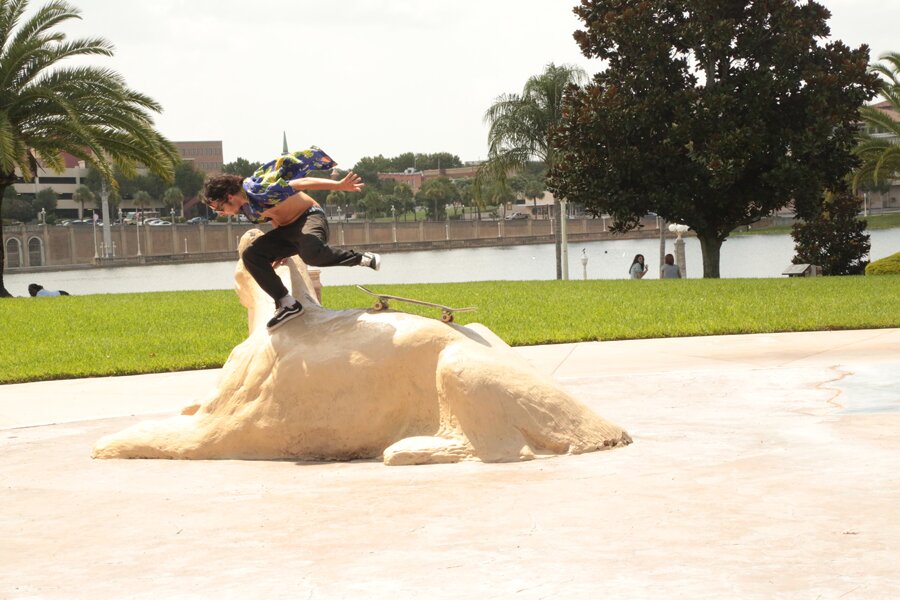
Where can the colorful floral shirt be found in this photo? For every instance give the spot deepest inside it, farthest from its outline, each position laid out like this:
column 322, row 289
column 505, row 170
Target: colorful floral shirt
column 270, row 184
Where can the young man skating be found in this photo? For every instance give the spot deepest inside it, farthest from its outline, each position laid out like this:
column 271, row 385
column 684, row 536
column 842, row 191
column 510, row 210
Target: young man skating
column 275, row 193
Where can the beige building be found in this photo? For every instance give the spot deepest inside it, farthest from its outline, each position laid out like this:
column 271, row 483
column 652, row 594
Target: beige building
column 206, row 157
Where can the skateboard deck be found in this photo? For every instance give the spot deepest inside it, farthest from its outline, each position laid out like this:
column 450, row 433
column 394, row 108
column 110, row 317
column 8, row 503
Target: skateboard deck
column 382, row 302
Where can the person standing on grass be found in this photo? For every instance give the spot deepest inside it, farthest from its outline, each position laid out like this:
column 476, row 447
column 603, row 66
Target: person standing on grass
column 670, row 270
column 638, row 269
column 276, row 193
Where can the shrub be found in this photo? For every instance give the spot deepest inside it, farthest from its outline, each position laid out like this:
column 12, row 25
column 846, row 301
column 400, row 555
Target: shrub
column 889, row 265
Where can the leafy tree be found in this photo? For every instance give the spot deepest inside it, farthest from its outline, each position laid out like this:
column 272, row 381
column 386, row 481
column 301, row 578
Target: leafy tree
column 188, row 179
column 16, row 207
column 435, row 194
column 368, row 168
column 880, row 153
column 142, row 200
column 712, row 114
column 520, row 129
column 113, row 200
column 241, row 166
column 48, row 108
column 173, row 199
column 834, row 238
column 81, row 195
column 46, row 200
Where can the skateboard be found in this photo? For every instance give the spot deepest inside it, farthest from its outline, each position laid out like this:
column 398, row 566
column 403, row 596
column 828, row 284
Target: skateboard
column 382, row 303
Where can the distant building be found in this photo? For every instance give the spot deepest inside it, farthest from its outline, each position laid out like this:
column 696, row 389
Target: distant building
column 206, row 156
column 415, row 179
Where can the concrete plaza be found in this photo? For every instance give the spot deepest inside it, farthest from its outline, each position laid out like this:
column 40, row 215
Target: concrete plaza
column 762, row 466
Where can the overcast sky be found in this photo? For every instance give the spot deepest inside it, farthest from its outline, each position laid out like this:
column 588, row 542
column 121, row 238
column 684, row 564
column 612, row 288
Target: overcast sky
column 357, row 77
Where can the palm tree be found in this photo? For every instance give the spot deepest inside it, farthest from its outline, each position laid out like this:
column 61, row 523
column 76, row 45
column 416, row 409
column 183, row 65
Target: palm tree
column 520, row 128
column 173, row 198
column 47, row 109
column 81, row 195
column 879, row 147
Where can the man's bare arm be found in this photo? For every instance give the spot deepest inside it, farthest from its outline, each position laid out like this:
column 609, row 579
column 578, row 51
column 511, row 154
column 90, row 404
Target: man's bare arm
column 351, row 182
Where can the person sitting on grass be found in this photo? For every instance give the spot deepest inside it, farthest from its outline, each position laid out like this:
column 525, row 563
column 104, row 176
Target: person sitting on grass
column 669, row 269
column 275, row 193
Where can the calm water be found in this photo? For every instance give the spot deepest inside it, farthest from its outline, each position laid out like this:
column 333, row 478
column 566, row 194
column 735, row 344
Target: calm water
column 745, row 256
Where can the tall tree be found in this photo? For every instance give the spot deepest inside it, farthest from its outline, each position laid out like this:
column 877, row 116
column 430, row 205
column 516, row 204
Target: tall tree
column 47, row 108
column 81, row 195
column 521, row 125
column 834, row 238
column 878, row 148
column 435, row 194
column 712, row 114
column 173, row 198
column 46, row 200
column 241, row 166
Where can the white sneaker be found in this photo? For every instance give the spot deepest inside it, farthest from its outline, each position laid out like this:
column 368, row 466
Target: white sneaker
column 371, row 260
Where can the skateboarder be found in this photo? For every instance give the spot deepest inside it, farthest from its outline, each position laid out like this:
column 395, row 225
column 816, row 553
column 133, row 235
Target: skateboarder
column 275, row 193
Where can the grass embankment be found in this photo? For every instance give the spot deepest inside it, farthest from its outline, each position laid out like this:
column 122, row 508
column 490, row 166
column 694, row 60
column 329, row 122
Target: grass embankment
column 873, row 222
column 119, row 334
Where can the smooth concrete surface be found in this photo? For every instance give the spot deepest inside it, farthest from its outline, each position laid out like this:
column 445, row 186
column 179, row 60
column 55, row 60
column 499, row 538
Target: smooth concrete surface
column 763, row 466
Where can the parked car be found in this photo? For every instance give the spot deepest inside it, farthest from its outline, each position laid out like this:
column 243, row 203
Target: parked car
column 516, row 216
column 157, row 222
column 198, row 221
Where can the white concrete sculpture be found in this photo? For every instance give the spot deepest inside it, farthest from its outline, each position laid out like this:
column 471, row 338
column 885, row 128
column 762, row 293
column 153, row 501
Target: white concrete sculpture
column 352, row 384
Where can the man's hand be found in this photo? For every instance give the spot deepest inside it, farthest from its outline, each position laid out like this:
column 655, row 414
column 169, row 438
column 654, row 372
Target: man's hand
column 350, row 183
column 279, row 262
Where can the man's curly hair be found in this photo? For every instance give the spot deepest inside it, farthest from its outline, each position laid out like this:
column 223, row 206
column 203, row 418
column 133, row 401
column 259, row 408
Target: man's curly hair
column 220, row 187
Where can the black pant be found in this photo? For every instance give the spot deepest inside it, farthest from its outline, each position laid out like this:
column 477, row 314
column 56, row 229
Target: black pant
column 306, row 237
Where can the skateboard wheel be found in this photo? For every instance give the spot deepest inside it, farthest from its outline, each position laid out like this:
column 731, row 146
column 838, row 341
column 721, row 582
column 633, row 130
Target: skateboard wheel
column 447, row 317
column 380, row 305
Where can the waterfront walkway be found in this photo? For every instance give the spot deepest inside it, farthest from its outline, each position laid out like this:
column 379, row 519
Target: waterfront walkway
column 762, row 466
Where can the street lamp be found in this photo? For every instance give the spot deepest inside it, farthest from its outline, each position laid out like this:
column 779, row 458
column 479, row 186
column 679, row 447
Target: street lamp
column 394, row 223
column 679, row 229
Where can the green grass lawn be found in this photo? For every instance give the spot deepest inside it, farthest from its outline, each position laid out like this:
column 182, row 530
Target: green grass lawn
column 117, row 334
column 873, row 222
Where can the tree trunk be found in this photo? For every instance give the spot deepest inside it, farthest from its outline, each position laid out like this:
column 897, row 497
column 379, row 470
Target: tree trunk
column 557, row 234
column 3, row 292
column 710, row 246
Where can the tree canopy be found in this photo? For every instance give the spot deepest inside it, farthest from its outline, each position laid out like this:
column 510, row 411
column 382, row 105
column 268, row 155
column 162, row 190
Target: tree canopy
column 47, row 108
column 711, row 114
column 520, row 133
column 878, row 149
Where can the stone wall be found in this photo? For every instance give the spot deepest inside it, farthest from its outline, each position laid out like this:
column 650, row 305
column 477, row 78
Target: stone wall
column 30, row 246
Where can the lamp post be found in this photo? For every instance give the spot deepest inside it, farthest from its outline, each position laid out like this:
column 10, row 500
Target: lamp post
column 104, row 207
column 678, row 229
column 138, row 229
column 394, row 223
column 447, row 222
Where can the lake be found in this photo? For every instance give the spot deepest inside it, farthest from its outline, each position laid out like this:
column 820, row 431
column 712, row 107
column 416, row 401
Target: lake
column 742, row 256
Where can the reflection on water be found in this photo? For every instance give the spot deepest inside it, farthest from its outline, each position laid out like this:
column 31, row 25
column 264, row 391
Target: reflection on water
column 743, row 256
